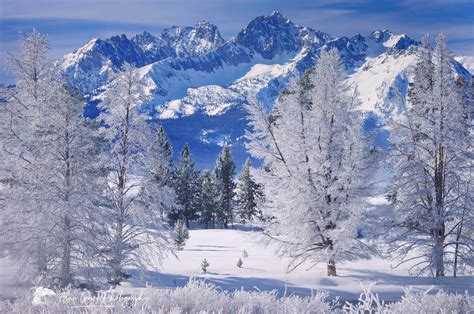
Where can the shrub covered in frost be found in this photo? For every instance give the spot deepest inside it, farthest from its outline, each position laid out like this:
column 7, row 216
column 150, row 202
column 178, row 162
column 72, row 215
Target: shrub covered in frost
column 413, row 302
column 202, row 297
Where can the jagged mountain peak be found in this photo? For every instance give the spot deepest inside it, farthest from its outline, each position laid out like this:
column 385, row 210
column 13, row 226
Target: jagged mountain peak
column 205, row 24
column 381, row 35
column 190, row 40
column 273, row 21
column 388, row 39
column 145, row 35
column 273, row 34
column 193, row 74
column 276, row 14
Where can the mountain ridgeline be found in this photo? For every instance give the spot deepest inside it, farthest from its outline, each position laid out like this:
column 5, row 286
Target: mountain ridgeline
column 199, row 81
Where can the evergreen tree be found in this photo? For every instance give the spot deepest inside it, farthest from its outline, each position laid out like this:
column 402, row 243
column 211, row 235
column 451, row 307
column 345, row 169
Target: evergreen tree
column 187, row 186
column 240, row 263
column 224, row 173
column 249, row 195
column 204, row 265
column 208, row 200
column 158, row 191
column 162, row 151
column 181, row 234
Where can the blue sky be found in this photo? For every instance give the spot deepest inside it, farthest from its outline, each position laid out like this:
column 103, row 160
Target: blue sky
column 70, row 24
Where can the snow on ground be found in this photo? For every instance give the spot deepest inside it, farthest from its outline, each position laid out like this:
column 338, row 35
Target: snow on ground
column 262, row 270
column 9, row 288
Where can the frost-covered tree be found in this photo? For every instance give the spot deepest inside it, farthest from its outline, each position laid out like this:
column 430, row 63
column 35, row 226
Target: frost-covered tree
column 463, row 246
column 20, row 161
column 74, row 181
column 187, row 186
column 314, row 169
column 51, row 175
column 209, row 200
column 224, row 173
column 137, row 236
column 249, row 195
column 429, row 150
column 181, row 234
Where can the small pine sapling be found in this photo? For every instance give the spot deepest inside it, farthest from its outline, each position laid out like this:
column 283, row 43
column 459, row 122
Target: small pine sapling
column 240, row 263
column 204, row 265
column 181, row 234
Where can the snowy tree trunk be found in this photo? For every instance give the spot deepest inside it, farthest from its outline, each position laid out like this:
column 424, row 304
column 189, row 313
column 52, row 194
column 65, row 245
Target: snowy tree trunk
column 439, row 230
column 116, row 263
column 66, row 276
column 456, row 247
column 438, row 255
column 331, row 267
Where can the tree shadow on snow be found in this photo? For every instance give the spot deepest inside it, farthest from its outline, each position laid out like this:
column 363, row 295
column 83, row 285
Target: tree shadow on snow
column 162, row 280
column 169, row 281
column 450, row 284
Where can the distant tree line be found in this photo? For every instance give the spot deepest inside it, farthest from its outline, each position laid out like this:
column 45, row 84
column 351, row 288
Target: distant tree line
column 215, row 199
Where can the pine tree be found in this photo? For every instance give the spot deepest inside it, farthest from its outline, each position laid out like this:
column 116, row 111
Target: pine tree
column 428, row 154
column 163, row 151
column 181, row 234
column 204, row 265
column 187, row 186
column 224, row 173
column 314, row 172
column 249, row 195
column 158, row 191
column 137, row 236
column 208, row 200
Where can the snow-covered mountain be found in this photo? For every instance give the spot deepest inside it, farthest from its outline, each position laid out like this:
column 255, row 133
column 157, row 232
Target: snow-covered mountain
column 90, row 66
column 199, row 81
column 467, row 62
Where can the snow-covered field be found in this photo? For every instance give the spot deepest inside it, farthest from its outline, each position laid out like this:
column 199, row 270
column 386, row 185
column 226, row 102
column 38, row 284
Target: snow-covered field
column 263, row 270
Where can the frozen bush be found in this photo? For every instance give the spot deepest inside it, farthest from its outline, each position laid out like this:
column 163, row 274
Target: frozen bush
column 202, row 297
column 413, row 302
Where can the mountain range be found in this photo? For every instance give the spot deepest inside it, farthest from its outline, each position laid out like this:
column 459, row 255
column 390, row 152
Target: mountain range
column 199, row 80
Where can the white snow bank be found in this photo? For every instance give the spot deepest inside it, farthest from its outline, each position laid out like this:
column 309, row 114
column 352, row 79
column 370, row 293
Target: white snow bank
column 41, row 294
